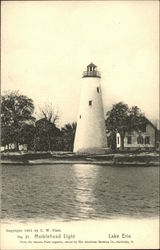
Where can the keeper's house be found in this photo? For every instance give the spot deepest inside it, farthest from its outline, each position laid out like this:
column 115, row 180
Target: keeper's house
column 146, row 138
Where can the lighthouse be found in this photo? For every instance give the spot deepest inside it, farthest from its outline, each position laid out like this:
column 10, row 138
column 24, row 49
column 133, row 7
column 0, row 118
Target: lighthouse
column 90, row 134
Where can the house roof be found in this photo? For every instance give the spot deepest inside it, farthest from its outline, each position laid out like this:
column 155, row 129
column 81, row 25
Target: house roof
column 148, row 121
column 143, row 123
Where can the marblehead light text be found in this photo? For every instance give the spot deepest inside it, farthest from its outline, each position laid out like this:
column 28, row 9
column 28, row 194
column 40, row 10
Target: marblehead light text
column 55, row 236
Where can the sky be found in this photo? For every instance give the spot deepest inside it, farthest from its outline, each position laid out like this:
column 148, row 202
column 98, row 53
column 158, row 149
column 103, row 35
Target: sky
column 46, row 46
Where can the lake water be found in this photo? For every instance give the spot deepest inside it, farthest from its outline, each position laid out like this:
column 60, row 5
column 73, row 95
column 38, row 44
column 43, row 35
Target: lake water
column 79, row 192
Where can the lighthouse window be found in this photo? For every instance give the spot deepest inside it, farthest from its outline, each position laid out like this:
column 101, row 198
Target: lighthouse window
column 90, row 103
column 80, row 117
column 98, row 90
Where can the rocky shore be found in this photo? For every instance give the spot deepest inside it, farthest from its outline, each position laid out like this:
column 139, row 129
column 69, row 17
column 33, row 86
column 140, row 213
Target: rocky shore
column 123, row 159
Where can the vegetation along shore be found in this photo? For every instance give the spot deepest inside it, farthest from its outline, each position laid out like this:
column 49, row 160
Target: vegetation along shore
column 30, row 137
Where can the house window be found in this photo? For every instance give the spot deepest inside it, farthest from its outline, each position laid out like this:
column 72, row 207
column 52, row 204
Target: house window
column 129, row 139
column 90, row 103
column 140, row 139
column 98, row 90
column 147, row 139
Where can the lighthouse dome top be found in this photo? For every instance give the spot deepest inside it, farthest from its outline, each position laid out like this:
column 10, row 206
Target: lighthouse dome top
column 92, row 65
column 91, row 71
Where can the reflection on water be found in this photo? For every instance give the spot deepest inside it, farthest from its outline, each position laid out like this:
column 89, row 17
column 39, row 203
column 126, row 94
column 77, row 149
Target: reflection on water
column 79, row 191
column 84, row 188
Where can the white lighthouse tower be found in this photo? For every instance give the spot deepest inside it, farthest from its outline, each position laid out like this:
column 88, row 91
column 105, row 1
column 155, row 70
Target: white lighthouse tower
column 90, row 134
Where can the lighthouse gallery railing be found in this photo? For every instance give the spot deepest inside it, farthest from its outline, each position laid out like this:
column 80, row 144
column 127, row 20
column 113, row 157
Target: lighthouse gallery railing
column 91, row 73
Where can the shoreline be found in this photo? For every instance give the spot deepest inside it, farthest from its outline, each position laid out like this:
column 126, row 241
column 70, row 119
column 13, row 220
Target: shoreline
column 122, row 164
column 111, row 159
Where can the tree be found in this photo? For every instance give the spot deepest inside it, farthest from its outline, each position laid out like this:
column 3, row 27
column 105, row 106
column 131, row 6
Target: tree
column 68, row 134
column 16, row 110
column 46, row 134
column 111, row 140
column 49, row 112
column 123, row 119
column 117, row 119
column 6, row 136
column 27, row 134
column 136, row 119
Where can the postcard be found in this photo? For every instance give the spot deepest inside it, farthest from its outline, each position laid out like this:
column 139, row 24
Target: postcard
column 80, row 133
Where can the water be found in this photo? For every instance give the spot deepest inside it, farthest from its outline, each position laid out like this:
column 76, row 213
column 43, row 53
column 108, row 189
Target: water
column 79, row 192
